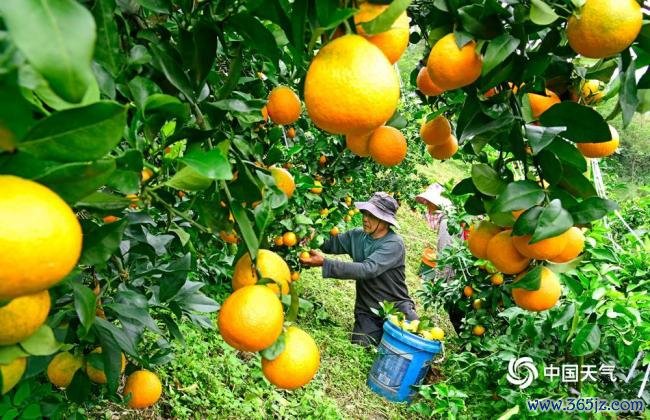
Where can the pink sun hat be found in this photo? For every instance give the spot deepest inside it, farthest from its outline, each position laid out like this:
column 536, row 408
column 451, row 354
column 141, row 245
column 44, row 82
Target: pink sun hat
column 433, row 195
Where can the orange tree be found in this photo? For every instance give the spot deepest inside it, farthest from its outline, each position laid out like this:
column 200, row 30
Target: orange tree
column 136, row 145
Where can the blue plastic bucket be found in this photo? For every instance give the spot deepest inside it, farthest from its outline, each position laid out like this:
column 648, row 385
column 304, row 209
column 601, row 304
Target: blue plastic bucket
column 402, row 362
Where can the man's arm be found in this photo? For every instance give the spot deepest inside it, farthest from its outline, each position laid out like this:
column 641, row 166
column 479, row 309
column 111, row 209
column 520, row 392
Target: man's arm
column 388, row 256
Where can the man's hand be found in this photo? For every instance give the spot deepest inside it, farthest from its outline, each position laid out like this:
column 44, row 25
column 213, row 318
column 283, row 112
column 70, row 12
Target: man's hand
column 314, row 259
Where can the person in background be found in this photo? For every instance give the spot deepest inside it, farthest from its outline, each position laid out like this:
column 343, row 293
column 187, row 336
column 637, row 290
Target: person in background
column 378, row 266
column 436, row 218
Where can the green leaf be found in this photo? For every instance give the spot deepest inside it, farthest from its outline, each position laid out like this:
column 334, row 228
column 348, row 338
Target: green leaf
column 553, row 221
column 41, row 343
column 271, row 353
column 568, row 153
column 530, row 281
column 465, row 186
column 487, row 180
column 188, row 179
column 551, row 167
column 527, row 221
column 77, row 134
column 125, row 182
column 111, row 351
column 540, row 137
column 583, row 124
column 158, row 6
column 199, row 50
column 15, row 113
column 592, row 208
column 567, row 314
column 385, row 20
column 518, row 195
column 100, row 200
column 213, row 164
column 576, row 183
column 74, row 181
column 169, row 62
column 9, row 353
column 183, row 236
column 498, row 50
column 85, row 303
column 256, row 35
column 107, row 50
column 330, row 14
column 627, row 97
column 101, row 243
column 245, row 227
column 587, row 340
column 541, row 13
column 57, row 37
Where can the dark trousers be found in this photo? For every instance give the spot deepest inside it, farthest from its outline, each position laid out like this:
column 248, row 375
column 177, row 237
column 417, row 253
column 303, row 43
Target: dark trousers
column 368, row 327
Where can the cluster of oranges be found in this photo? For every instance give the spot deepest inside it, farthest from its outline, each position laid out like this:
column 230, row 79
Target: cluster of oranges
column 513, row 255
column 436, row 134
column 418, row 328
column 251, row 319
column 351, row 87
column 45, row 239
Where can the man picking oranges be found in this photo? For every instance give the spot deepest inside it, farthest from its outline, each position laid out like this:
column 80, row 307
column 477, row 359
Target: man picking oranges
column 377, row 266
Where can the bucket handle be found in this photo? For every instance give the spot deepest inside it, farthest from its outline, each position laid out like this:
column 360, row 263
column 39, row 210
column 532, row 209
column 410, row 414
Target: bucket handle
column 443, row 354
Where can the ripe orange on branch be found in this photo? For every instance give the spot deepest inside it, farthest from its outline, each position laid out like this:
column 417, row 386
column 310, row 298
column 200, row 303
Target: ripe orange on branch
column 541, row 299
column 602, row 28
column 358, row 144
column 451, row 67
column 283, row 105
column 298, row 362
column 284, row 180
column 387, row 146
column 479, row 238
column 426, row 85
column 22, row 316
column 541, row 250
column 436, row 132
column 574, row 245
column 540, row 103
column 62, row 369
column 445, row 150
column 600, row 150
column 504, row 256
column 144, row 389
column 269, row 264
column 350, row 87
column 392, row 42
column 43, row 236
column 251, row 318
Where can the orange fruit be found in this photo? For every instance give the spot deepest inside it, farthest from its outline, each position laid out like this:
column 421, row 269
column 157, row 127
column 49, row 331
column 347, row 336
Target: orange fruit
column 278, row 241
column 603, row 28
column 97, row 375
column 504, row 256
column 304, row 255
column 574, row 245
column 426, row 85
column 251, row 318
column 62, row 368
column 298, row 362
column 265, row 113
column 40, row 237
column 295, row 276
column 283, row 105
column 541, row 299
column 517, row 213
column 284, row 180
column 347, row 218
column 477, row 304
column 322, row 160
column 144, row 388
column 317, row 188
column 451, row 67
column 269, row 264
column 110, row 219
column 445, row 150
column 478, row 330
column 358, row 144
column 479, row 238
column 11, row 372
column 146, row 174
column 342, row 95
column 392, row 42
column 291, row 132
column 436, row 132
column 387, row 146
column 289, row 239
column 496, row 279
column 229, row 237
column 540, row 103
column 592, row 91
column 22, row 316
column 324, row 212
column 468, row 291
column 334, row 231
column 599, row 150
column 542, row 250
